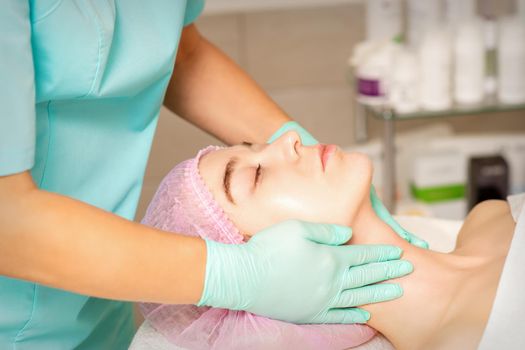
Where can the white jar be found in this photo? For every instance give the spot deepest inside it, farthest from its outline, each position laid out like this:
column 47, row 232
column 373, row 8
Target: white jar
column 435, row 62
column 511, row 61
column 372, row 63
column 469, row 62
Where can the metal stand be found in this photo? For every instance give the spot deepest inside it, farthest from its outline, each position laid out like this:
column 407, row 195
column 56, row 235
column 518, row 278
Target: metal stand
column 361, row 127
column 389, row 151
column 389, row 161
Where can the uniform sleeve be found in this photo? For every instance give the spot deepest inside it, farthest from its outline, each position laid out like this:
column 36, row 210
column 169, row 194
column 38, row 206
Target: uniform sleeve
column 193, row 10
column 17, row 89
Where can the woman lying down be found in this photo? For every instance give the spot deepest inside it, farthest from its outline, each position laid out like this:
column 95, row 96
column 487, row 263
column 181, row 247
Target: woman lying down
column 447, row 299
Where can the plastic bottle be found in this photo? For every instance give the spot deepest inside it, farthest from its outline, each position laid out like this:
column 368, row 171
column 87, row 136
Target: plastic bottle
column 490, row 30
column 511, row 61
column 383, row 19
column 423, row 16
column 458, row 11
column 521, row 10
column 469, row 62
column 435, row 62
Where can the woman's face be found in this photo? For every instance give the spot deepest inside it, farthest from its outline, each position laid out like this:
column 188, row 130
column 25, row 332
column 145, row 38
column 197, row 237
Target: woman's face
column 261, row 185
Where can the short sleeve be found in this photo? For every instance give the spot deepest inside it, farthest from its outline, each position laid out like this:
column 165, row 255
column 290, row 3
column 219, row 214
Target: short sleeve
column 17, row 89
column 193, row 10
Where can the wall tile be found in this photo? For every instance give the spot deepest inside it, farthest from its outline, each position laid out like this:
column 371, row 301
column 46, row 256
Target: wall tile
column 297, row 47
column 224, row 31
column 326, row 111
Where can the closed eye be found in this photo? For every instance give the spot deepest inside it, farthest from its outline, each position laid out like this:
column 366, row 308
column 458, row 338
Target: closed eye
column 257, row 175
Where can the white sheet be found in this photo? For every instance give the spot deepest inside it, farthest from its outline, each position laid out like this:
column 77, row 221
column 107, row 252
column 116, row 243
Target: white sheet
column 505, row 325
column 440, row 234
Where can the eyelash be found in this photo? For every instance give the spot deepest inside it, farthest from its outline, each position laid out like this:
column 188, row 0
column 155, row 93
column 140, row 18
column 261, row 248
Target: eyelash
column 257, row 175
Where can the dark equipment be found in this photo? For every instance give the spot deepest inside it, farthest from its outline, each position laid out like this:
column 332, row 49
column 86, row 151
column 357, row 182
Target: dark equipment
column 488, row 178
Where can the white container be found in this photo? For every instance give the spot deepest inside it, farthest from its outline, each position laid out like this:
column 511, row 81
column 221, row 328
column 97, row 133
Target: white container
column 383, row 19
column 458, row 11
column 490, row 29
column 423, row 16
column 521, row 10
column 511, row 61
column 372, row 63
column 469, row 62
column 404, row 84
column 435, row 62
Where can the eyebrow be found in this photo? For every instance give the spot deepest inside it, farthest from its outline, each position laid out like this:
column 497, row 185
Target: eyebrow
column 226, row 181
column 230, row 168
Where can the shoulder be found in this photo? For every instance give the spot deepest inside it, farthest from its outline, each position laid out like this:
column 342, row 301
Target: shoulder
column 486, row 219
column 489, row 209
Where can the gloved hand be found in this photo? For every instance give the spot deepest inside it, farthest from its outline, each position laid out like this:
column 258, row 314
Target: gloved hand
column 296, row 271
column 384, row 215
column 307, row 139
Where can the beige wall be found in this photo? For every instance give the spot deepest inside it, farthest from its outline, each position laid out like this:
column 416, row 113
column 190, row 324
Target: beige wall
column 299, row 56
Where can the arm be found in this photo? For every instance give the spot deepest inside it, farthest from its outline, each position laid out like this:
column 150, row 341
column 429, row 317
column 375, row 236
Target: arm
column 67, row 244
column 212, row 92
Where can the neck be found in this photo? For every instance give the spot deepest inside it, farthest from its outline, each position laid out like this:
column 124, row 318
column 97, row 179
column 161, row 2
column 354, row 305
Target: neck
column 427, row 302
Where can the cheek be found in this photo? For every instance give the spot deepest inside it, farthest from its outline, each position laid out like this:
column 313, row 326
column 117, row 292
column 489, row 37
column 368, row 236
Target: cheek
column 277, row 202
column 299, row 198
column 353, row 182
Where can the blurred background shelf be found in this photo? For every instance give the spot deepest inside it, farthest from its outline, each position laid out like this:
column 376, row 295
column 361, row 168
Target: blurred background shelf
column 488, row 106
column 389, row 116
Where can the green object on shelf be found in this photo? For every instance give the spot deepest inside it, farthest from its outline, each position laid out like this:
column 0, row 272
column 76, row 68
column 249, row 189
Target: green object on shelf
column 438, row 193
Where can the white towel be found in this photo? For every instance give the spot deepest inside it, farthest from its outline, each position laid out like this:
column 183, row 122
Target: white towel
column 504, row 328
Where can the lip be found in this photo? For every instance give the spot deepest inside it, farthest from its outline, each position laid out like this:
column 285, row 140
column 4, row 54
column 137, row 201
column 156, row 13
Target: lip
column 325, row 152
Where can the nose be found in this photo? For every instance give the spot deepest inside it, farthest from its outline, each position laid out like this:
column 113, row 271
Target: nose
column 288, row 145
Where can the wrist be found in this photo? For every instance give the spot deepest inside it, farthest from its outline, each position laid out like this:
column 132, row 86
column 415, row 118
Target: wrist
column 223, row 276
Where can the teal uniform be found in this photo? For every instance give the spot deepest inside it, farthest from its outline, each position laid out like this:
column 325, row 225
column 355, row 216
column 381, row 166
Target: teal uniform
column 81, row 86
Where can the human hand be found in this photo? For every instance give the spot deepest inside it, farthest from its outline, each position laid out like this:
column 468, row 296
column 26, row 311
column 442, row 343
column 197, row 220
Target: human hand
column 298, row 272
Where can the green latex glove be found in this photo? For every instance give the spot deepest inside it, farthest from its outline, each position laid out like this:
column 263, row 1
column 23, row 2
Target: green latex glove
column 297, row 272
column 384, row 214
column 307, row 139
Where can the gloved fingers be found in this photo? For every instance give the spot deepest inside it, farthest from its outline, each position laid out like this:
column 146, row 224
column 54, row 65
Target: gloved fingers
column 306, row 138
column 418, row 242
column 365, row 254
column 387, row 218
column 375, row 293
column 329, row 234
column 378, row 206
column 346, row 316
column 359, row 276
column 384, row 215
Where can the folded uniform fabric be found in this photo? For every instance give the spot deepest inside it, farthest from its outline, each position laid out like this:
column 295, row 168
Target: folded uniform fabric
column 184, row 204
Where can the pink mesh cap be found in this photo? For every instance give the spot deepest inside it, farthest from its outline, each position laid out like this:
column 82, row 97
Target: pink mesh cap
column 184, row 204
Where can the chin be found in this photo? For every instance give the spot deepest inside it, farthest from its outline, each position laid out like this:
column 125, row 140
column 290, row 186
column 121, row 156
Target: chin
column 358, row 171
column 360, row 167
